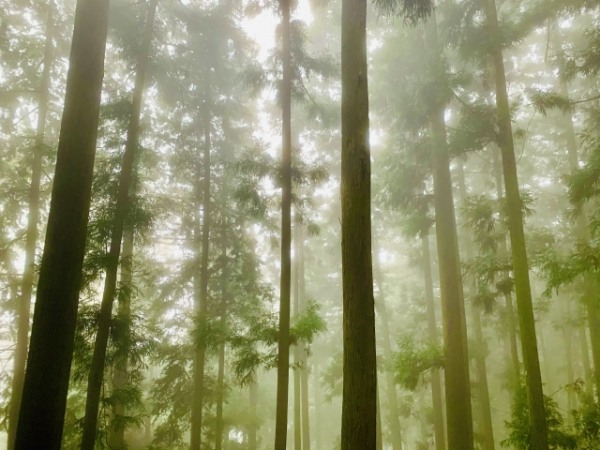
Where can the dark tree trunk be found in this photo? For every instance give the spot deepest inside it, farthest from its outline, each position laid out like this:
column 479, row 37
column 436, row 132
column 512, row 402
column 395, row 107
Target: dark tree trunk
column 96, row 375
column 533, row 377
column 201, row 289
column 46, row 383
column 359, row 408
column 436, row 385
column 31, row 236
column 283, row 348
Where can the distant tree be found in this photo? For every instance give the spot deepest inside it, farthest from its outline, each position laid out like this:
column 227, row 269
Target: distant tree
column 51, row 346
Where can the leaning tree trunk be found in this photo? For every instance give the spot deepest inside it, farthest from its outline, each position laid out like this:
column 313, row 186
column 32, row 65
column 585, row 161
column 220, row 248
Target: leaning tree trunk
column 283, row 347
column 537, row 415
column 31, row 236
column 201, row 289
column 359, row 392
column 46, row 382
column 436, row 385
column 96, row 375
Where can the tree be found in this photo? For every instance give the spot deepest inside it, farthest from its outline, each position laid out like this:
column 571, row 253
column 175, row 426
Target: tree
column 55, row 314
column 96, row 375
column 283, row 350
column 359, row 408
column 31, row 237
column 537, row 415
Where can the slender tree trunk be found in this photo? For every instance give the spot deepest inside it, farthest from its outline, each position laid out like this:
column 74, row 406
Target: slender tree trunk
column 120, row 378
column 31, row 235
column 585, row 359
column 359, row 408
column 436, row 385
column 96, row 374
column 456, row 363
column 379, row 425
column 508, row 301
column 283, row 361
column 41, row 416
column 219, row 427
column 297, row 354
column 537, row 414
column 392, row 395
column 590, row 297
column 304, row 372
column 480, row 354
column 201, row 291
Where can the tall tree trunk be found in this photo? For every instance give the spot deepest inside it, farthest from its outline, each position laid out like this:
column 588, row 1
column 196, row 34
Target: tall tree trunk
column 96, row 375
column 537, row 414
column 31, row 235
column 590, row 297
column 304, row 371
column 120, row 377
column 585, row 358
column 480, row 354
column 436, row 385
column 283, row 348
column 508, row 301
column 456, row 362
column 379, row 424
column 359, row 409
column 317, row 415
column 297, row 351
column 201, row 289
column 219, row 425
column 392, row 395
column 52, row 336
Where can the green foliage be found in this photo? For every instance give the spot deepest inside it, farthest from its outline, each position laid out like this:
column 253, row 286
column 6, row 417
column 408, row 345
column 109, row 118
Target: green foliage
column 559, row 435
column 307, row 324
column 412, row 11
column 413, row 360
column 542, row 101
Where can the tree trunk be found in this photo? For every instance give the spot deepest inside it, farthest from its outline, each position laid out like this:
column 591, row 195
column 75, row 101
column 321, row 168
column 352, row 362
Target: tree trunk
column 508, row 301
column 31, row 236
column 585, row 358
column 537, row 414
column 283, row 350
column 590, row 298
column 96, row 375
column 304, row 372
column 359, row 409
column 219, row 427
column 46, row 382
column 379, row 425
column 201, row 288
column 120, row 378
column 392, row 395
column 436, row 386
column 456, row 362
column 297, row 352
column 480, row 354
column 317, row 415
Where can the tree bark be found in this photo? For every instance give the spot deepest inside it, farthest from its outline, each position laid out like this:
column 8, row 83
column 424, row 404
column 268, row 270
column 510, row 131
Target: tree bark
column 52, row 336
column 201, row 287
column 359, row 409
column 456, row 362
column 96, row 375
column 436, row 386
column 283, row 348
column 537, row 414
column 31, row 235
